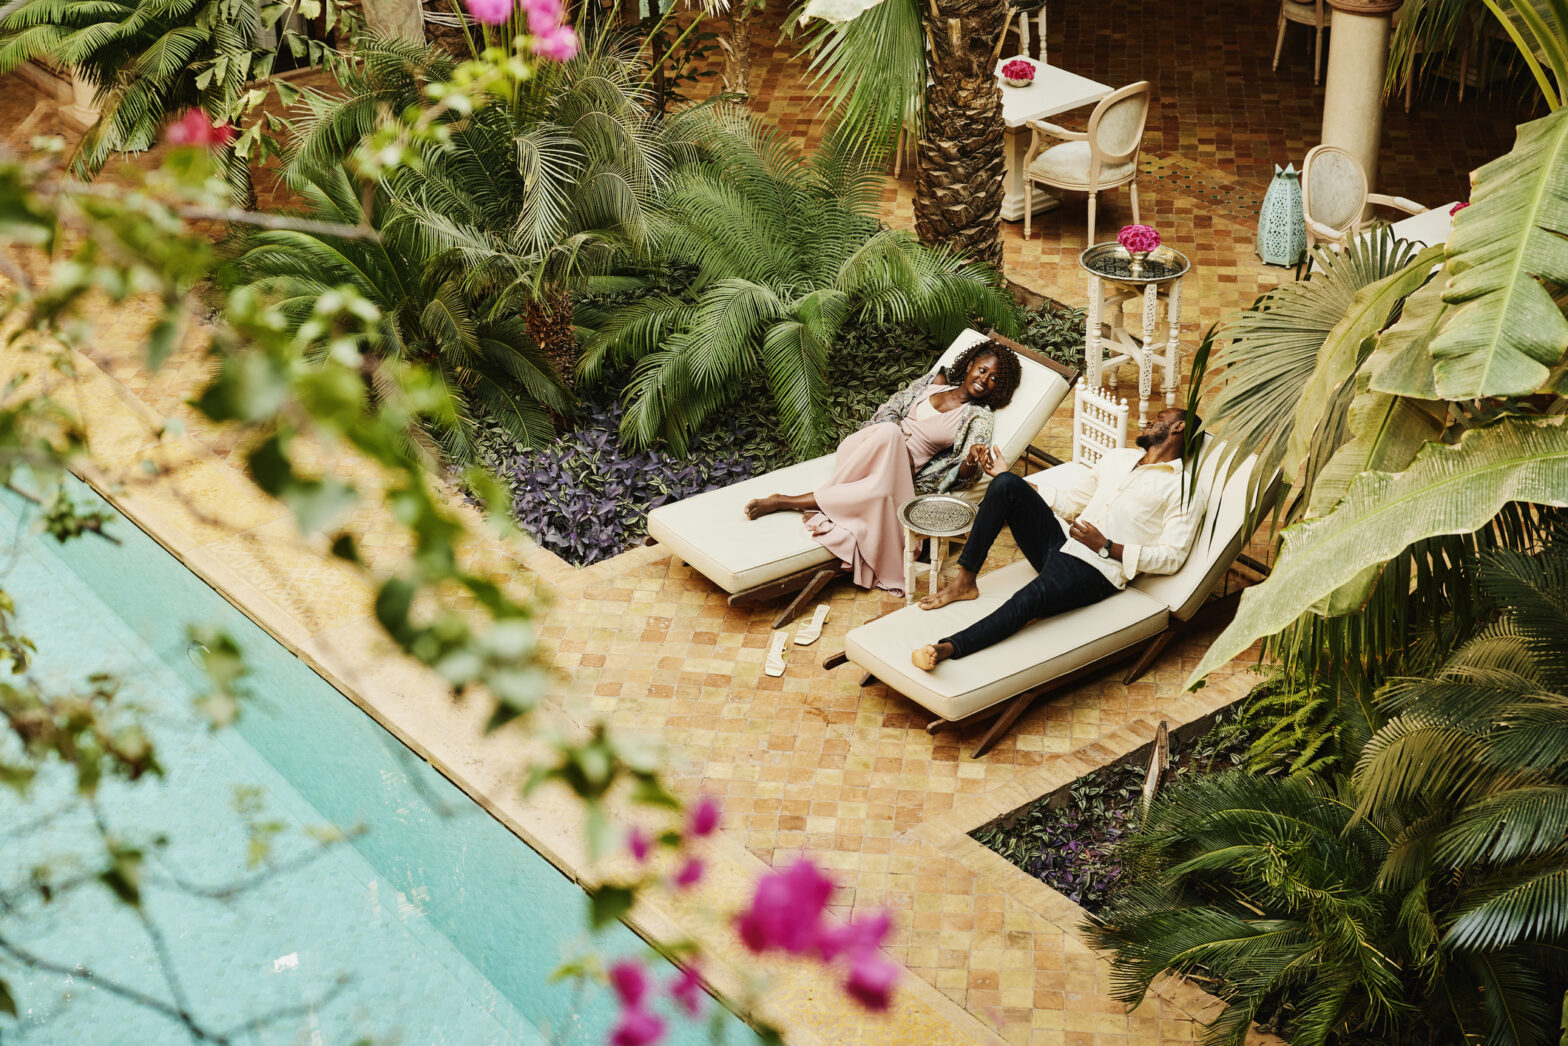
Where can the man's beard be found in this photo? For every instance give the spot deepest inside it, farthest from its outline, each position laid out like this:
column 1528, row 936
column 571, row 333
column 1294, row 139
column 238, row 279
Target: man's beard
column 1145, row 440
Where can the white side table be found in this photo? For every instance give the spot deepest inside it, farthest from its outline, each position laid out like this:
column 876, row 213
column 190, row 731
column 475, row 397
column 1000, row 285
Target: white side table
column 1108, row 343
column 940, row 517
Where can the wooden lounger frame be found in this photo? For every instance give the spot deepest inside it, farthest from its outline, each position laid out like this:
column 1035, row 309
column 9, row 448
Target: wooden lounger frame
column 807, row 583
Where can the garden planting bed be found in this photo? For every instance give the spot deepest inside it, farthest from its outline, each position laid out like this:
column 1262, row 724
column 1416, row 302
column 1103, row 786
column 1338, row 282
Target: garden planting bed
column 1068, row 839
column 586, row 495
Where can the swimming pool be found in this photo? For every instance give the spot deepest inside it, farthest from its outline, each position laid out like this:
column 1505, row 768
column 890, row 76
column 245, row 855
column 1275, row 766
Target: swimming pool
column 433, row 924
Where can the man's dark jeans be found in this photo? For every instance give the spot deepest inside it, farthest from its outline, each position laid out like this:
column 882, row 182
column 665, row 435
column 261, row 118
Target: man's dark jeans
column 1064, row 582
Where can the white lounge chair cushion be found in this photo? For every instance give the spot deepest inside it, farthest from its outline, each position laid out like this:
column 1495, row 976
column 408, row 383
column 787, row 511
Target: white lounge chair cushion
column 711, row 532
column 1068, row 164
column 1044, row 650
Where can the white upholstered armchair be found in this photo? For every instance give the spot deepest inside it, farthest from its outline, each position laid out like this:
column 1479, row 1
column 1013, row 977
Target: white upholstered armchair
column 1101, row 157
column 1334, row 196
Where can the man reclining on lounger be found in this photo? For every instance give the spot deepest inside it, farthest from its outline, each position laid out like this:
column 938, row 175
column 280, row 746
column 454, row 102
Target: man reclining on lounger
column 1129, row 516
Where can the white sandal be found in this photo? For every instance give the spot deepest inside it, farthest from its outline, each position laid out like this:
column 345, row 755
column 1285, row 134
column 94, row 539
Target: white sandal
column 813, row 631
column 774, row 665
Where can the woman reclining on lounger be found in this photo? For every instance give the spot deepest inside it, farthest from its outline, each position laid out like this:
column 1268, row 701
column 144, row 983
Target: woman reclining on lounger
column 932, row 437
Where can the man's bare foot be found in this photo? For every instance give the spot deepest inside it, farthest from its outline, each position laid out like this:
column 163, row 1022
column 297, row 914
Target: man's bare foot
column 960, row 588
column 928, row 657
column 756, row 508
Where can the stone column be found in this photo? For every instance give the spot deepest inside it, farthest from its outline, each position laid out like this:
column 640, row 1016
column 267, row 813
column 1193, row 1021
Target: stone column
column 398, row 19
column 82, row 112
column 1353, row 96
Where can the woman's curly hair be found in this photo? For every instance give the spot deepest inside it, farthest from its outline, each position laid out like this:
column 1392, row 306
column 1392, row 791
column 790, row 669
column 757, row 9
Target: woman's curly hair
column 1009, row 372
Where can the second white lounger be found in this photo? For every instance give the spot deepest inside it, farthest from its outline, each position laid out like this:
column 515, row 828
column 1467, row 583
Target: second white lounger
column 1054, row 651
column 755, row 560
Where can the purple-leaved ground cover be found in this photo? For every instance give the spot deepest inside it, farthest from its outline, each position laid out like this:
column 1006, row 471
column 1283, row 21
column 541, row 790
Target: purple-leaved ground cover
column 1072, row 847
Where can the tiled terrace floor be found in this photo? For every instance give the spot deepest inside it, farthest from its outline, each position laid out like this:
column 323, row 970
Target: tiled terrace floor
column 811, row 762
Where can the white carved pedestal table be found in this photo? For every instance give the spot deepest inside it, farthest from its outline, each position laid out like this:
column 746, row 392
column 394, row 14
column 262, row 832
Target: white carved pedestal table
column 1116, row 278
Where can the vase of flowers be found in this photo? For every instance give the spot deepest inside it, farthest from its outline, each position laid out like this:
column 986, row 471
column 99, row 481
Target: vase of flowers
column 1138, row 241
column 1018, row 73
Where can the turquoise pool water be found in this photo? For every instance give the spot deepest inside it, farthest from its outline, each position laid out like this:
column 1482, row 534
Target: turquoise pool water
column 434, row 924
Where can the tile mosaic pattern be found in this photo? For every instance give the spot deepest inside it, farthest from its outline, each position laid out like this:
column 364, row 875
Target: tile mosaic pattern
column 811, row 761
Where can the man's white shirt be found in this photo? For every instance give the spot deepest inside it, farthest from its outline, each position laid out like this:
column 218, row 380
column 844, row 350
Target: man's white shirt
column 1140, row 507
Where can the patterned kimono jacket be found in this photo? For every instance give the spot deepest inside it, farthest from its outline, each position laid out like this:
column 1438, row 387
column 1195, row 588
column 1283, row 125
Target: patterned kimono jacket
column 976, row 425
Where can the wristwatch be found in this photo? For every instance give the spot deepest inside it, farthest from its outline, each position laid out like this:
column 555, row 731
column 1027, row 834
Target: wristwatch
column 1105, row 553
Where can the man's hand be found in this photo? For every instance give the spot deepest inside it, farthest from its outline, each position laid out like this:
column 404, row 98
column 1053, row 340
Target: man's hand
column 1086, row 534
column 995, row 464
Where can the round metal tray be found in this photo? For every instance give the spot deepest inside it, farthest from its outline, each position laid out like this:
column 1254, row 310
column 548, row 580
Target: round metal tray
column 1111, row 261
column 937, row 515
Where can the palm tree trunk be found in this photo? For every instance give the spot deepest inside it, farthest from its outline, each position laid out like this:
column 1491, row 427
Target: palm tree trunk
column 550, row 326
column 737, row 50
column 958, row 170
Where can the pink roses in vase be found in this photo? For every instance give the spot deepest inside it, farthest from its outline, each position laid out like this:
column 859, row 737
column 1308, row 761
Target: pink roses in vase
column 1138, row 240
column 1018, row 73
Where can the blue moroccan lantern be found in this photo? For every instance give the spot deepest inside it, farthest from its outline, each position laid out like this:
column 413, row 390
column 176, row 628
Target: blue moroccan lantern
column 1282, row 230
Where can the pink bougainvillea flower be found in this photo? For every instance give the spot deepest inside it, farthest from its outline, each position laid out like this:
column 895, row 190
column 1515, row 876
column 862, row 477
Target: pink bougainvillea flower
column 1018, row 69
column 705, row 818
column 544, row 15
column 786, row 911
column 630, row 982
column 690, row 874
column 490, row 12
column 871, row 982
column 195, row 129
column 558, row 44
column 1456, row 208
column 1138, row 237
column 638, row 1027
column 686, row 990
column 639, row 844
column 859, row 938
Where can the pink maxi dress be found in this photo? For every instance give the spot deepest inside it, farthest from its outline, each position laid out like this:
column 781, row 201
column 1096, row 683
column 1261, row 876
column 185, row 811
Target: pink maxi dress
column 873, row 474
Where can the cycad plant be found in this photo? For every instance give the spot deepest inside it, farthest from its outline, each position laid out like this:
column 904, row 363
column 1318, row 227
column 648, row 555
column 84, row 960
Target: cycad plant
column 1423, row 899
column 474, row 342
column 534, row 193
column 149, row 60
column 787, row 253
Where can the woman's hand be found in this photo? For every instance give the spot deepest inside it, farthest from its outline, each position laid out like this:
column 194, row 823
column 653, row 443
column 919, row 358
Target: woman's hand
column 978, row 458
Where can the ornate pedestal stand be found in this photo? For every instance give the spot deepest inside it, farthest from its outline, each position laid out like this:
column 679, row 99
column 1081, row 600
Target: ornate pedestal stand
column 1114, row 278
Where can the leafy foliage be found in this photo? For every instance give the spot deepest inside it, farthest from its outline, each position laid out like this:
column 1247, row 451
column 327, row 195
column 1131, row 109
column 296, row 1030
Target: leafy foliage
column 149, row 60
column 426, row 314
column 1074, row 847
column 586, row 496
column 787, row 252
column 1418, row 900
column 1409, row 430
column 1056, row 331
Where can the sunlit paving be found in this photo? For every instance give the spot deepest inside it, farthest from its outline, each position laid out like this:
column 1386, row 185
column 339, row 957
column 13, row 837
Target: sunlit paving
column 847, row 522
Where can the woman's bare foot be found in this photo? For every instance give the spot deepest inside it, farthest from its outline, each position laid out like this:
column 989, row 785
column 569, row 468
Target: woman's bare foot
column 756, row 508
column 960, row 588
column 928, row 657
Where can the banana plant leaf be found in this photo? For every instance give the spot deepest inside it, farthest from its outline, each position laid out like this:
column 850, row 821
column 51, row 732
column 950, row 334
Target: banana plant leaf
column 1401, row 365
column 1340, row 355
column 1448, row 489
column 1507, row 333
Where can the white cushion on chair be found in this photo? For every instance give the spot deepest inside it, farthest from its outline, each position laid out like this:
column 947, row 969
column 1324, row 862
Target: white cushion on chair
column 1068, row 164
column 710, row 531
column 1042, row 651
